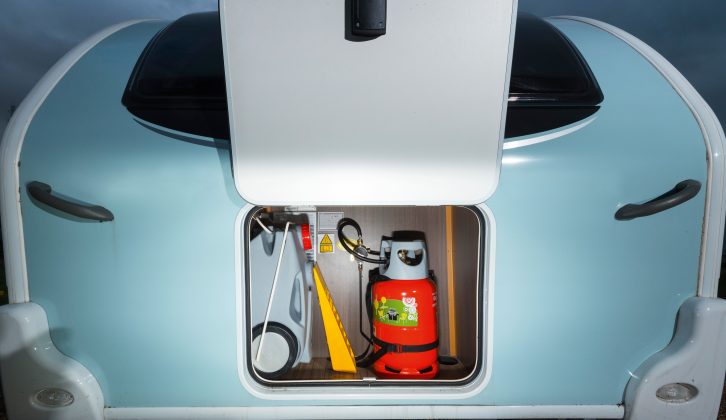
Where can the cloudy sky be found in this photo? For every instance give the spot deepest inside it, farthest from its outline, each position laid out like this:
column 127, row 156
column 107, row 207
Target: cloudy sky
column 34, row 34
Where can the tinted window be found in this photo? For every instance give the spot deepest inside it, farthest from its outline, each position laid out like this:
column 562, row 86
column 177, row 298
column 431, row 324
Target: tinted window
column 551, row 84
column 179, row 83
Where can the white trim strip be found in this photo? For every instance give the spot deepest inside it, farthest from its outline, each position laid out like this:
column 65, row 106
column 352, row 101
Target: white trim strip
column 713, row 134
column 547, row 137
column 369, row 412
column 16, row 272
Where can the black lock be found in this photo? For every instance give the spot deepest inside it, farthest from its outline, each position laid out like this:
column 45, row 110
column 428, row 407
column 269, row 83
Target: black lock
column 369, row 18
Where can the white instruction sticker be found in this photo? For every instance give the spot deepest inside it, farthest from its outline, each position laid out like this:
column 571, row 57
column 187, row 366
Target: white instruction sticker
column 328, row 220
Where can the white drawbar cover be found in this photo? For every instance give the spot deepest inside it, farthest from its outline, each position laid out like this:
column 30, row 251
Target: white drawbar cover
column 415, row 116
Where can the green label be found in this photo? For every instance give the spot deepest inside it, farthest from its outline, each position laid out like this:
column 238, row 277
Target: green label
column 399, row 313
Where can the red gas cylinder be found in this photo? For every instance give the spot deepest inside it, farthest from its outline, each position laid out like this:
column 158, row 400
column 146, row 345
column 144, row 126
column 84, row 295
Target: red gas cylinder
column 405, row 323
column 403, row 300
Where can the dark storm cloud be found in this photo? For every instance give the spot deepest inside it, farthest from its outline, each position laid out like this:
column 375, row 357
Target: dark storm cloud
column 691, row 35
column 35, row 34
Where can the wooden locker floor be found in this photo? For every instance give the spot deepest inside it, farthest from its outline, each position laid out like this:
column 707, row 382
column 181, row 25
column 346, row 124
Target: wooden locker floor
column 320, row 369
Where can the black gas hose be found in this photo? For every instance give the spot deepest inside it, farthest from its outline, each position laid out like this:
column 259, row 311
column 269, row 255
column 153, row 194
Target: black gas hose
column 344, row 242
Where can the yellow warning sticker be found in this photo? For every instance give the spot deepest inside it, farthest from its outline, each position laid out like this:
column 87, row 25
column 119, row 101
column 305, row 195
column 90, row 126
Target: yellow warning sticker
column 326, row 243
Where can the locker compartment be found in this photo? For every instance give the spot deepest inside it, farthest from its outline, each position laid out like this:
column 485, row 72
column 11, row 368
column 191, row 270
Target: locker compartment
column 295, row 349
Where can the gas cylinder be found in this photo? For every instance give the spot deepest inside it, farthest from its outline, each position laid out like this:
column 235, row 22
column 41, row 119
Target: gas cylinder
column 404, row 313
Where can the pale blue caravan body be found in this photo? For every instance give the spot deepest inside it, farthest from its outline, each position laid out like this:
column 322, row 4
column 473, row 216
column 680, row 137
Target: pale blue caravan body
column 145, row 316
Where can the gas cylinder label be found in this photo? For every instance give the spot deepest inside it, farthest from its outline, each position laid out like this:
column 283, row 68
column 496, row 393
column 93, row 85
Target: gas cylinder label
column 398, row 313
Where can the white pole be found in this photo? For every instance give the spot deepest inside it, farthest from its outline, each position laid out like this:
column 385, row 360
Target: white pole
column 272, row 293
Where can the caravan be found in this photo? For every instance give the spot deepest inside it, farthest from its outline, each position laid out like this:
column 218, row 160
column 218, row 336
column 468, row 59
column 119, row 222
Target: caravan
column 564, row 180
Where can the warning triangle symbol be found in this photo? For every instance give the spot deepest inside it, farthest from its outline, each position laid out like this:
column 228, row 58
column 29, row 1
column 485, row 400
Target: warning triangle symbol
column 326, row 245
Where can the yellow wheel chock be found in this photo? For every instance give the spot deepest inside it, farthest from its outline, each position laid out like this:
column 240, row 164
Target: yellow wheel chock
column 341, row 354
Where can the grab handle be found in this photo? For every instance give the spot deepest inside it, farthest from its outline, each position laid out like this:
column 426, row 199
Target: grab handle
column 682, row 192
column 44, row 193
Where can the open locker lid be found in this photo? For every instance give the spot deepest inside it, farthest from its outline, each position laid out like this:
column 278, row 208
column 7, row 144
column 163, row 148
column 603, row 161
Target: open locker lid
column 321, row 115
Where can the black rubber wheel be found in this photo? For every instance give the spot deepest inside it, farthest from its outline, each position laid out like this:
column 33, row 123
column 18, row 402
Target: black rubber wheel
column 275, row 368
